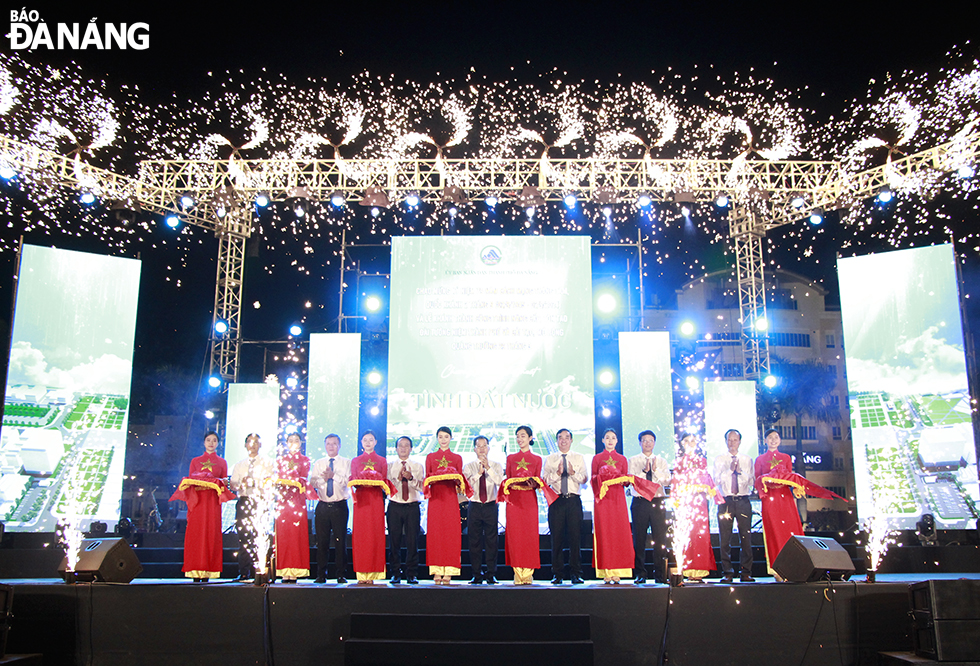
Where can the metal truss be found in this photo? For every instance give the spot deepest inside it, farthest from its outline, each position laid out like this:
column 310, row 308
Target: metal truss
column 762, row 192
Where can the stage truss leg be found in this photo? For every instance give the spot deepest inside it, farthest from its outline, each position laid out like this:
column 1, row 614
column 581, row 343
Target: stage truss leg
column 747, row 233
column 228, row 297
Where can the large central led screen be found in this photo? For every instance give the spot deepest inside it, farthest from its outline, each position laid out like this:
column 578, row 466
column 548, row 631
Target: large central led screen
column 488, row 334
column 66, row 408
column 914, row 450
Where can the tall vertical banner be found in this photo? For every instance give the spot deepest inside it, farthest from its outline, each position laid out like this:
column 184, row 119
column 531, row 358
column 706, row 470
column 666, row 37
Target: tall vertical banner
column 66, row 407
column 729, row 405
column 488, row 333
column 914, row 449
column 252, row 408
column 648, row 402
column 334, row 392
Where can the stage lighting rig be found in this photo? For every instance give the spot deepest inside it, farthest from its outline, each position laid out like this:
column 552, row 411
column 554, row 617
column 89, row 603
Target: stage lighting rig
column 925, row 530
column 412, row 200
column 491, row 202
column 570, row 200
column 816, row 216
column 722, row 200
column 644, row 201
column 298, row 200
column 187, row 201
column 172, row 220
column 87, row 198
column 338, row 200
column 885, row 194
column 965, row 171
column 125, row 210
column 6, row 171
column 262, row 199
column 453, row 195
column 375, row 197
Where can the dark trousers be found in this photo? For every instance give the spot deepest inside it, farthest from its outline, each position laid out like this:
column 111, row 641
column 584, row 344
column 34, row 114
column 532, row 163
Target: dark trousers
column 404, row 517
column 740, row 508
column 482, row 534
column 330, row 521
column 246, row 536
column 650, row 516
column 565, row 523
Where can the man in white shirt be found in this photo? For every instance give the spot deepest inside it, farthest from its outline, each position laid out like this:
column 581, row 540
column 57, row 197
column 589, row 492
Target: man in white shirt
column 484, row 476
column 246, row 480
column 647, row 514
column 565, row 473
column 404, row 514
column 329, row 478
column 735, row 477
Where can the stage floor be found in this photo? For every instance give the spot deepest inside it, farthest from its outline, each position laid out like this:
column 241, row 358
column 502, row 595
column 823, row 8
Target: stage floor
column 166, row 621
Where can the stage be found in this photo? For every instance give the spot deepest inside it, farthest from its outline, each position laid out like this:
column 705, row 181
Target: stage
column 163, row 621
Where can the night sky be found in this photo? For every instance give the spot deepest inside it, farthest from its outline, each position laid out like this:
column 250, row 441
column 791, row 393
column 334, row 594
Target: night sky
column 826, row 52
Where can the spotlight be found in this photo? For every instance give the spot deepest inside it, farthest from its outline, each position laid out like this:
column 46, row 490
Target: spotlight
column 291, row 382
column 570, row 200
column 261, row 199
column 644, row 201
column 798, row 202
column 214, row 381
column 87, row 198
column 6, row 171
column 298, row 199
column 606, row 303
column 412, row 200
column 606, row 377
column 885, row 194
column 337, row 199
column 296, row 330
column 816, row 216
column 374, row 378
column 172, row 221
column 692, row 382
column 224, row 200
column 452, row 211
column 491, row 202
column 529, row 211
column 769, row 381
column 221, row 327
column 966, row 171
column 375, row 196
column 685, row 210
column 687, row 328
column 372, row 303
column 722, row 201
column 375, row 211
column 125, row 210
column 762, row 324
column 685, row 201
column 186, row 201
column 607, row 211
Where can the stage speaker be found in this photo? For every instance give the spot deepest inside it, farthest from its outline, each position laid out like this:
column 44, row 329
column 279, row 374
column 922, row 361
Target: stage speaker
column 806, row 559
column 104, row 560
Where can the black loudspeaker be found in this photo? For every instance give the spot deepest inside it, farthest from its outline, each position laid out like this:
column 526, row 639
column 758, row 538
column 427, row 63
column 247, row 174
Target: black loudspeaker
column 806, row 559
column 104, row 560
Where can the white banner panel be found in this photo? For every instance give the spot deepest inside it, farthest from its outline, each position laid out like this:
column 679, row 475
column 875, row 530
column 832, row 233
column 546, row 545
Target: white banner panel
column 251, row 408
column 334, row 397
column 729, row 405
column 66, row 411
column 914, row 449
column 648, row 404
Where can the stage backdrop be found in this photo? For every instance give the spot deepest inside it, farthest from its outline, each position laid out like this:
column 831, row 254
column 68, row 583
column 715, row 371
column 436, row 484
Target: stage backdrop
column 67, row 397
column 729, row 405
column 644, row 380
column 335, row 386
column 251, row 408
column 914, row 450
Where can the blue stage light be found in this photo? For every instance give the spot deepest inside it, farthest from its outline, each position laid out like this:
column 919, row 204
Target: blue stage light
column 529, row 211
column 208, row 414
column 452, row 211
column 375, row 211
column 338, row 200
column 214, row 381
column 296, row 330
column 291, row 382
column 491, row 202
column 172, row 221
column 644, row 201
column 966, row 171
column 606, row 303
column 770, row 381
column 607, row 211
column 722, row 201
column 372, row 303
column 7, row 172
column 87, row 198
column 262, row 200
column 692, row 382
column 412, row 200
column 186, row 201
column 687, row 328
column 816, row 216
column 221, row 327
column 762, row 324
column 570, row 200
column 885, row 194
column 798, row 202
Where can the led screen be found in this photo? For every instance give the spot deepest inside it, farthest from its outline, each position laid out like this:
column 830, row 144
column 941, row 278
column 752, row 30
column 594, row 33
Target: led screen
column 914, row 450
column 66, row 406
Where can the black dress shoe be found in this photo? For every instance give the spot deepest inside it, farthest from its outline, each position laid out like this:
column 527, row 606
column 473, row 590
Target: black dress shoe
column 320, row 580
column 556, row 580
column 577, row 580
column 476, row 580
column 491, row 579
column 745, row 578
column 395, row 580
column 412, row 580
column 341, row 580
column 639, row 580
column 727, row 578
